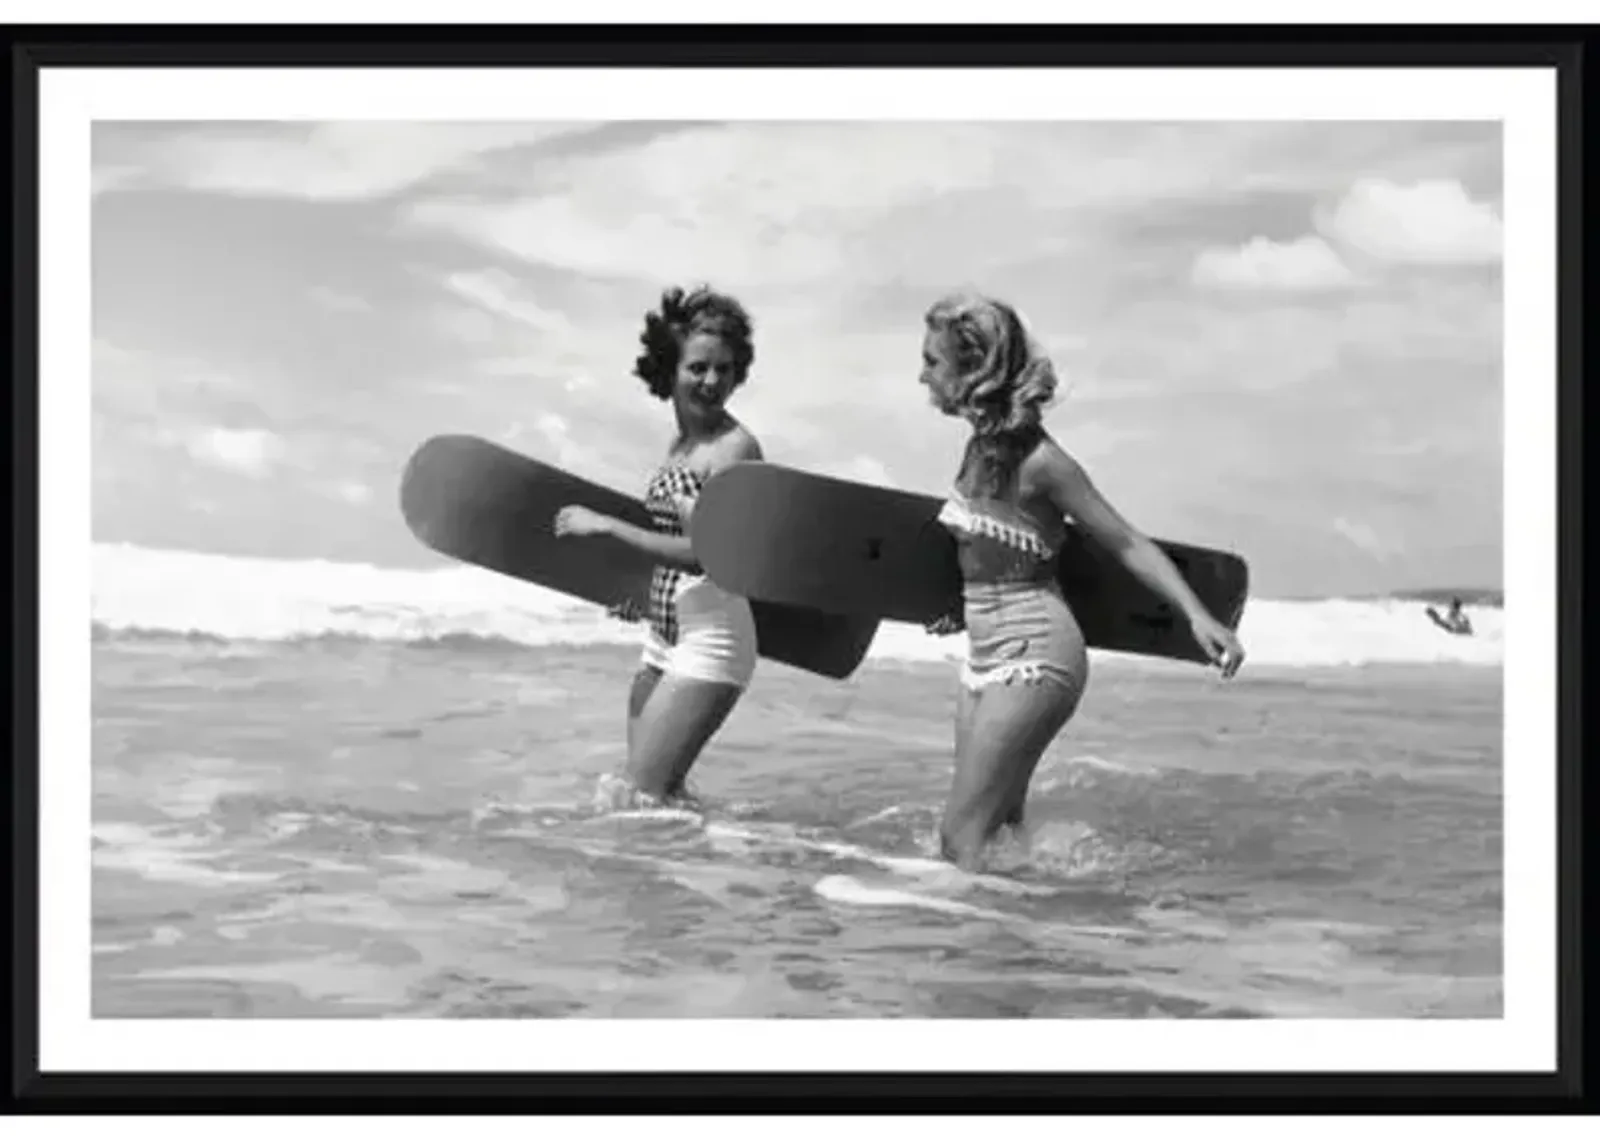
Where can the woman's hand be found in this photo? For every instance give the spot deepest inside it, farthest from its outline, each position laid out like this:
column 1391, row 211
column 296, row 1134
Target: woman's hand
column 627, row 611
column 1221, row 646
column 574, row 520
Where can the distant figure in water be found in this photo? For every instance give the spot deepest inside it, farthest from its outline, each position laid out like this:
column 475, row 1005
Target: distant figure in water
column 1455, row 620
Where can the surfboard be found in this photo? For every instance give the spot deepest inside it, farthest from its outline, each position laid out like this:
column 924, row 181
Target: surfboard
column 775, row 533
column 485, row 505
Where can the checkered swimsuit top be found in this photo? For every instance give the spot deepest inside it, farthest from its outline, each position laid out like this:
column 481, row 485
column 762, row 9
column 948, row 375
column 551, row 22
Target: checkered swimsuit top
column 669, row 498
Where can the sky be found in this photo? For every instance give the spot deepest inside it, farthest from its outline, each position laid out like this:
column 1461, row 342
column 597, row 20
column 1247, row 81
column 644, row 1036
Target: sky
column 1279, row 338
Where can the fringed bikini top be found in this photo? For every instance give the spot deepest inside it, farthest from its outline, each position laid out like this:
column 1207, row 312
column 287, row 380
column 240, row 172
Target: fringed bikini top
column 1000, row 543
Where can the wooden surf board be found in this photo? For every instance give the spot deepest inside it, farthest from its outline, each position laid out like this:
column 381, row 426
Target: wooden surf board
column 485, row 505
column 779, row 534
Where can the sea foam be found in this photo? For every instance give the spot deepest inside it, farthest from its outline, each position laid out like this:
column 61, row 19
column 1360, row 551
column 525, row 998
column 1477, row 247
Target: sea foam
column 149, row 591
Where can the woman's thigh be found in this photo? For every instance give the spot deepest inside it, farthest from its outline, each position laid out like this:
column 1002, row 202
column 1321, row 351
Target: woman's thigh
column 1006, row 734
column 673, row 727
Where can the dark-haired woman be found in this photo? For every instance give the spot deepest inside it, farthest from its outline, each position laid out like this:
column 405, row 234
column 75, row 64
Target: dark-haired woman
column 1027, row 665
column 700, row 648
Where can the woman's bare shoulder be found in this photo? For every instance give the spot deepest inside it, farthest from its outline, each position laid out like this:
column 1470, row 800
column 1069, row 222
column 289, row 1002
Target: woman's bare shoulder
column 734, row 444
column 1048, row 463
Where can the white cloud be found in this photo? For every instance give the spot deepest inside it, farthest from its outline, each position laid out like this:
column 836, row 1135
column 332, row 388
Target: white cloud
column 497, row 292
column 110, row 177
column 354, row 492
column 1307, row 263
column 339, row 301
column 334, row 161
column 472, row 326
column 783, row 204
column 1428, row 222
column 1432, row 222
column 253, row 452
column 1361, row 536
column 143, row 377
column 865, row 469
column 559, row 446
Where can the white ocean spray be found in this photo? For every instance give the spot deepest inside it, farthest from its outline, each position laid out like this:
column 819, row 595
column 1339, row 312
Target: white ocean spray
column 175, row 593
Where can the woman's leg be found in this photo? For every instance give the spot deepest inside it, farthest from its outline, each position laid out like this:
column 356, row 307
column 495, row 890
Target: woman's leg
column 701, row 680
column 966, row 705
column 672, row 727
column 1076, row 680
column 1009, row 728
column 644, row 685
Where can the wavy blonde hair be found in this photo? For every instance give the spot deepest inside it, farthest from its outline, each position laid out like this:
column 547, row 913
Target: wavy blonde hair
column 1007, row 379
column 1006, row 382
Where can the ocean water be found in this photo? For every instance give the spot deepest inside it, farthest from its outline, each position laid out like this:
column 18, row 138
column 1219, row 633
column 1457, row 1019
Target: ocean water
column 334, row 791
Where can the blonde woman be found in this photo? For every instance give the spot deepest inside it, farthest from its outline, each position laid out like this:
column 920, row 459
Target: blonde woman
column 1016, row 488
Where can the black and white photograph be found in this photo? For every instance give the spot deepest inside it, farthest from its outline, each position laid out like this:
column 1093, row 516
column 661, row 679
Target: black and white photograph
column 896, row 560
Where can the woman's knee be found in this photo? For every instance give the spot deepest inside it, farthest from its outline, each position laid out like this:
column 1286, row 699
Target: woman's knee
column 683, row 717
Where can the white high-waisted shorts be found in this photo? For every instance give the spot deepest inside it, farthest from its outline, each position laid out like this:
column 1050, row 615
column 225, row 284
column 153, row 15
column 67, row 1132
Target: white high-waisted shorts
column 716, row 636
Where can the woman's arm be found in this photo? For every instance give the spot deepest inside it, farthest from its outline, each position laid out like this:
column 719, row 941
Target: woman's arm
column 678, row 551
column 1075, row 495
column 1071, row 490
column 575, row 520
column 673, row 551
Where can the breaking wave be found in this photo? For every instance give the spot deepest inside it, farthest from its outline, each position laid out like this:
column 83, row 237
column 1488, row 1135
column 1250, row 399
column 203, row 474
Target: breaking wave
column 145, row 593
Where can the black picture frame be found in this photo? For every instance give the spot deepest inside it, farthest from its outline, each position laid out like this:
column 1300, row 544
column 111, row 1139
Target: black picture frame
column 34, row 50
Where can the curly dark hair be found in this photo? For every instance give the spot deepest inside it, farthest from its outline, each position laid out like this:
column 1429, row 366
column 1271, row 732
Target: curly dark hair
column 681, row 315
